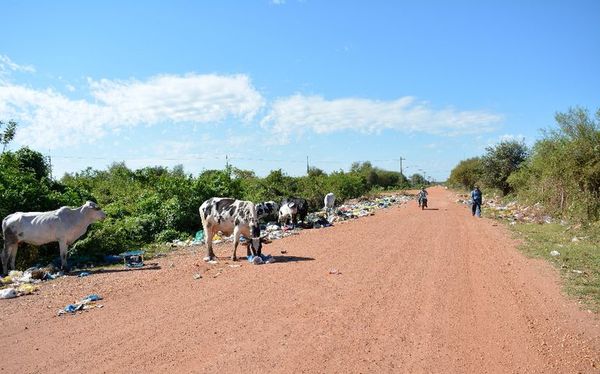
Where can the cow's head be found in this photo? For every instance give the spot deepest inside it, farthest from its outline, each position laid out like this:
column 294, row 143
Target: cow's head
column 256, row 241
column 93, row 210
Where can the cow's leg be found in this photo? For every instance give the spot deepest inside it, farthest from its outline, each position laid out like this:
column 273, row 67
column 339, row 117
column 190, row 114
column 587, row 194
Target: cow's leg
column 9, row 253
column 13, row 256
column 236, row 241
column 63, row 254
column 6, row 257
column 209, row 234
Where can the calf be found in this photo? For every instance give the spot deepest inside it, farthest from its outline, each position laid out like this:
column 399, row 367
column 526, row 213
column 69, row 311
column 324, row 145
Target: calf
column 301, row 207
column 64, row 225
column 266, row 209
column 231, row 216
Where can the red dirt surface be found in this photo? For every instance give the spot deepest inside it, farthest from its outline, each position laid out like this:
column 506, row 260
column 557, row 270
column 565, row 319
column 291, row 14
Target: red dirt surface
column 433, row 291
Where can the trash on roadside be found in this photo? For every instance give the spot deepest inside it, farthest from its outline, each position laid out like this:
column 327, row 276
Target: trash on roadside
column 197, row 276
column 199, row 238
column 133, row 259
column 262, row 259
column 8, row 293
column 87, row 302
column 26, row 289
column 334, row 272
column 84, row 274
column 554, row 253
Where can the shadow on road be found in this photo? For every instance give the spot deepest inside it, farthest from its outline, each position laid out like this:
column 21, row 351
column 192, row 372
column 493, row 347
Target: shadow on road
column 147, row 266
column 291, row 259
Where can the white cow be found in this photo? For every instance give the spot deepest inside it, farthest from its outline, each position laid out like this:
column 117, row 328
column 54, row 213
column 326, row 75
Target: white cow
column 329, row 201
column 64, row 225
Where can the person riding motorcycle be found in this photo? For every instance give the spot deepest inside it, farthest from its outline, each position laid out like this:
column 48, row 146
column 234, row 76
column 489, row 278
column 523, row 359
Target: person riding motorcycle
column 422, row 197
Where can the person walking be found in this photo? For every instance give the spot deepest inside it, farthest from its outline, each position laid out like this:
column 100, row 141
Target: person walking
column 476, row 199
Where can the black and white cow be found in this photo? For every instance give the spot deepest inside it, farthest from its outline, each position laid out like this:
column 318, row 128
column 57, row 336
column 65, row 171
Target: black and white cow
column 301, row 206
column 231, row 216
column 266, row 209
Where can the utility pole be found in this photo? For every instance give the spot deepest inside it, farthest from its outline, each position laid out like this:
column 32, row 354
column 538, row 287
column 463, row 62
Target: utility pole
column 226, row 161
column 307, row 167
column 401, row 171
column 50, row 164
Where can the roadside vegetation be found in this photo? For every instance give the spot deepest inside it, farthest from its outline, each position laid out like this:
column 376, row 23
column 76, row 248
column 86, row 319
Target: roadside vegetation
column 561, row 174
column 155, row 205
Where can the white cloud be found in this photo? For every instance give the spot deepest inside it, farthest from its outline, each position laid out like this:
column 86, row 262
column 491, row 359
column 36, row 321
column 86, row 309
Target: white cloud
column 278, row 2
column 511, row 138
column 298, row 114
column 7, row 66
column 52, row 120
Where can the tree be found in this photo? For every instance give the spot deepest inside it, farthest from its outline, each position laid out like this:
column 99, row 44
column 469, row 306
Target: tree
column 467, row 173
column 417, row 180
column 8, row 134
column 500, row 161
column 563, row 172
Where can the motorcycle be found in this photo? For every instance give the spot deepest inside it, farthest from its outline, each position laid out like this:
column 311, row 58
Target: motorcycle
column 423, row 203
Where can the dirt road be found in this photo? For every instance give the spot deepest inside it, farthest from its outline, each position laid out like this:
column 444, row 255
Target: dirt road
column 434, row 291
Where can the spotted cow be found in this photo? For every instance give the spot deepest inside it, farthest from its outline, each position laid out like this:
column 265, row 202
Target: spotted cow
column 266, row 209
column 231, row 216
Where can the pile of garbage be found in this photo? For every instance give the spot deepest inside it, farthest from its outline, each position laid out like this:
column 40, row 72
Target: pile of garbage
column 362, row 207
column 511, row 211
column 352, row 209
column 19, row 283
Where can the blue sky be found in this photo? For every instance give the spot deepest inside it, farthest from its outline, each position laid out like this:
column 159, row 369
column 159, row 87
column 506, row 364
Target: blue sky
column 268, row 83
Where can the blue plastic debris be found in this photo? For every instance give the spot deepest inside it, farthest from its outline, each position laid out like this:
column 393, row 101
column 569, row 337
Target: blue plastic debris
column 92, row 297
column 262, row 259
column 84, row 274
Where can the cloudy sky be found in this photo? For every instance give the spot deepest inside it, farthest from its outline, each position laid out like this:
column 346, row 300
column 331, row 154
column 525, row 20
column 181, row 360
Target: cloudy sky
column 267, row 83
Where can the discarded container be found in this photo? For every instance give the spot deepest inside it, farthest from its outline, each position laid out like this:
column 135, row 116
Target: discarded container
column 554, row 253
column 133, row 259
column 8, row 293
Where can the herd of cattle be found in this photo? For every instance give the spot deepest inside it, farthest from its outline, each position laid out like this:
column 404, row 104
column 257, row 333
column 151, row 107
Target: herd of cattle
column 229, row 216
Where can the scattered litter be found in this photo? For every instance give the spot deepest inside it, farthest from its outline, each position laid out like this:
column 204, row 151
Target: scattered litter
column 8, row 293
column 334, row 272
column 26, row 289
column 554, row 253
column 577, row 271
column 235, row 266
column 133, row 259
column 197, row 276
column 262, row 259
column 87, row 302
column 575, row 239
column 512, row 211
column 213, row 262
column 22, row 281
column 199, row 238
column 84, row 274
